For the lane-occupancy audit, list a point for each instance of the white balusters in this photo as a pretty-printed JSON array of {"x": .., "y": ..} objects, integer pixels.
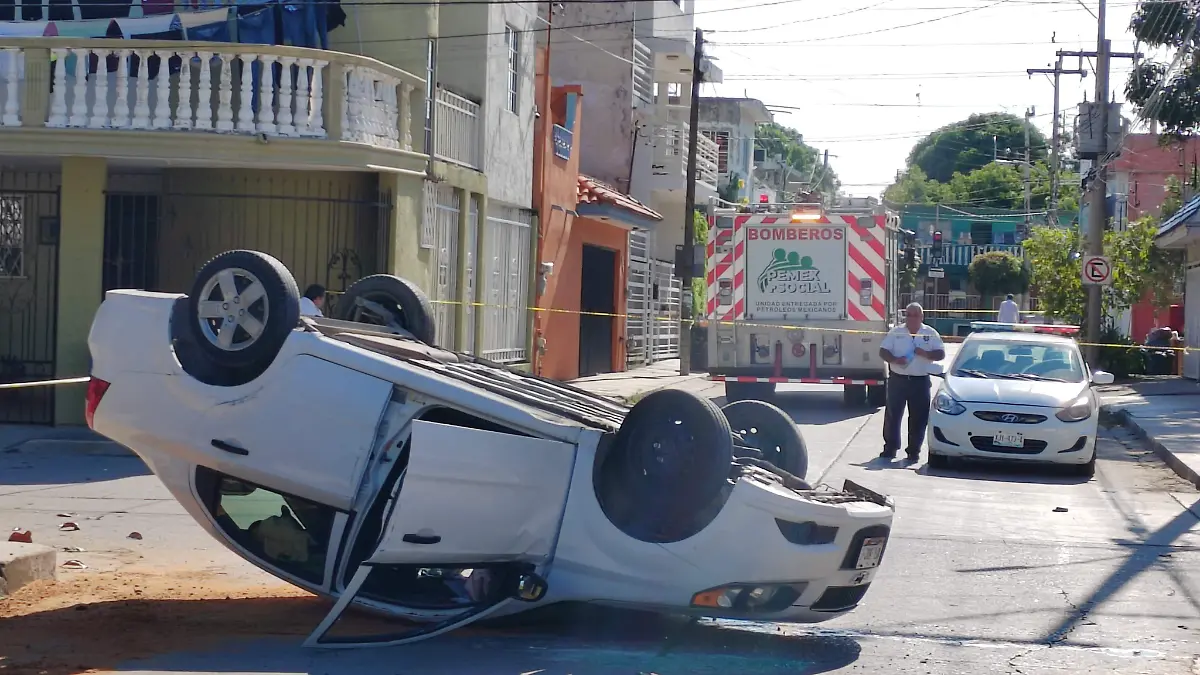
[
  {"x": 183, "y": 91},
  {"x": 348, "y": 106},
  {"x": 317, "y": 116},
  {"x": 120, "y": 119},
  {"x": 224, "y": 94},
  {"x": 245, "y": 117},
  {"x": 303, "y": 118},
  {"x": 58, "y": 100},
  {"x": 391, "y": 114},
  {"x": 162, "y": 93},
  {"x": 79, "y": 98},
  {"x": 265, "y": 119},
  {"x": 13, "y": 59},
  {"x": 99, "y": 115},
  {"x": 287, "y": 124},
  {"x": 141, "y": 91}
]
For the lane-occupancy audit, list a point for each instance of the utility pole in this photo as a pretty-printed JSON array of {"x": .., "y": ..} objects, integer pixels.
[
  {"x": 1026, "y": 168},
  {"x": 689, "y": 211},
  {"x": 1055, "y": 138}
]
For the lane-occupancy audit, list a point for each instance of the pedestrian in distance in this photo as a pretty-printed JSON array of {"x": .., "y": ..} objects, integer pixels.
[
  {"x": 909, "y": 349},
  {"x": 312, "y": 301},
  {"x": 1009, "y": 312}
]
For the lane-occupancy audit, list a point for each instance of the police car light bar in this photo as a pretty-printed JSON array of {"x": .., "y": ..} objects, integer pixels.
[{"x": 1041, "y": 328}]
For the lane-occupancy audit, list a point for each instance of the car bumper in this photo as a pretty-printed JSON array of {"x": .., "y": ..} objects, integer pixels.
[{"x": 1050, "y": 441}]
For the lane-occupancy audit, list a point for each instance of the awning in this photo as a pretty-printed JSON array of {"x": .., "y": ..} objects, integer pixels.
[{"x": 600, "y": 201}]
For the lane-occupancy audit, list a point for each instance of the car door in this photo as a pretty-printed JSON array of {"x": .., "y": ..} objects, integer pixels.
[{"x": 475, "y": 513}]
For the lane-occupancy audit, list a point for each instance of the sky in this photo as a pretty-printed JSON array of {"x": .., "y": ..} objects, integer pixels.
[{"x": 866, "y": 84}]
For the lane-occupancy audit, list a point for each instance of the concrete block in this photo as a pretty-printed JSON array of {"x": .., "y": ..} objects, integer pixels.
[{"x": 22, "y": 564}]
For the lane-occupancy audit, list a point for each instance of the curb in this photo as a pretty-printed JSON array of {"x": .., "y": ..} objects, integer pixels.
[
  {"x": 23, "y": 564},
  {"x": 1130, "y": 422},
  {"x": 644, "y": 393}
]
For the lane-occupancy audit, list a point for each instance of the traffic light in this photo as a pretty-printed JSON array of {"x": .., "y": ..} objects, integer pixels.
[{"x": 937, "y": 242}]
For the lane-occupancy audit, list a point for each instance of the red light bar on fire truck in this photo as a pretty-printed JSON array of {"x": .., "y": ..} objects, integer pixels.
[
  {"x": 806, "y": 213},
  {"x": 1042, "y": 328}
]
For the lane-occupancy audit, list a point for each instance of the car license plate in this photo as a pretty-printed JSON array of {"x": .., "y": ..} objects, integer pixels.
[
  {"x": 871, "y": 553},
  {"x": 1009, "y": 439}
]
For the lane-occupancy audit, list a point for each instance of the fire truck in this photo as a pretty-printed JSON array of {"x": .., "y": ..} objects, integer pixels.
[{"x": 801, "y": 293}]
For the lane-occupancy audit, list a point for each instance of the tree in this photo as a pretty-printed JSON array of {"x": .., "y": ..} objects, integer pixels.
[
  {"x": 1173, "y": 200},
  {"x": 1158, "y": 92},
  {"x": 997, "y": 273},
  {"x": 699, "y": 285},
  {"x": 967, "y": 145},
  {"x": 1139, "y": 268},
  {"x": 776, "y": 139},
  {"x": 997, "y": 186}
]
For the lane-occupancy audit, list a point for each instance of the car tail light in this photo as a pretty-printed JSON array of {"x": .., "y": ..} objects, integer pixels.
[{"x": 95, "y": 391}]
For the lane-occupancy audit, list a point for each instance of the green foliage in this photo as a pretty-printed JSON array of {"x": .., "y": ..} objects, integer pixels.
[
  {"x": 699, "y": 286},
  {"x": 999, "y": 186},
  {"x": 777, "y": 139},
  {"x": 1139, "y": 267},
  {"x": 1173, "y": 201},
  {"x": 967, "y": 145},
  {"x": 998, "y": 273},
  {"x": 1120, "y": 361},
  {"x": 1158, "y": 92}
]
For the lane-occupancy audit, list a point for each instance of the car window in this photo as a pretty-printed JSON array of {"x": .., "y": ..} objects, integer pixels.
[
  {"x": 286, "y": 532},
  {"x": 1008, "y": 359}
]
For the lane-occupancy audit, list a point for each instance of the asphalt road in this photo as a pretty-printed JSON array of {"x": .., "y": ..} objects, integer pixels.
[{"x": 988, "y": 570}]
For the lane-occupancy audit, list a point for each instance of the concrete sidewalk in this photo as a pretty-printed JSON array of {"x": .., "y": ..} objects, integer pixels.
[
  {"x": 638, "y": 382},
  {"x": 1165, "y": 413}
]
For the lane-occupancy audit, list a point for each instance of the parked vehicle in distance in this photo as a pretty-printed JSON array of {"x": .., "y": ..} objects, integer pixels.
[
  {"x": 1017, "y": 392},
  {"x": 354, "y": 458}
]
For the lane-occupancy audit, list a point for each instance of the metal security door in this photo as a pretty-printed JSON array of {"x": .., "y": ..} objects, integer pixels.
[
  {"x": 637, "y": 300},
  {"x": 442, "y": 206}
]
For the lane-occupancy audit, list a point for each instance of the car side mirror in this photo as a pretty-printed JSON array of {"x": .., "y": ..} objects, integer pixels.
[
  {"x": 1101, "y": 377},
  {"x": 937, "y": 369}
]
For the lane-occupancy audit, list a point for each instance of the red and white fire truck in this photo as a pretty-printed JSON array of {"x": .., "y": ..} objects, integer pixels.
[{"x": 801, "y": 293}]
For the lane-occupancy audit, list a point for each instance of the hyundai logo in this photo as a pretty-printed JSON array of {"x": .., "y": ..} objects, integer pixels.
[{"x": 1010, "y": 418}]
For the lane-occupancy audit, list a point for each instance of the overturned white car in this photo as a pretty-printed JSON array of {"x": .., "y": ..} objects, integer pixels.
[{"x": 355, "y": 459}]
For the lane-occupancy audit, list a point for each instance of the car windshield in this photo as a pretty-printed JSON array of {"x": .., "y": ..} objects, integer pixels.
[{"x": 1006, "y": 359}]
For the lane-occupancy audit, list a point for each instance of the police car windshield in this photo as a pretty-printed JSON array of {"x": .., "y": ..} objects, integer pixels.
[{"x": 1012, "y": 360}]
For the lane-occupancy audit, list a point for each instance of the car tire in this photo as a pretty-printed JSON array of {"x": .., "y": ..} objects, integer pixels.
[
  {"x": 854, "y": 395},
  {"x": 228, "y": 342},
  {"x": 938, "y": 461},
  {"x": 877, "y": 395},
  {"x": 749, "y": 391},
  {"x": 669, "y": 461},
  {"x": 1087, "y": 469},
  {"x": 772, "y": 431},
  {"x": 397, "y": 295}
]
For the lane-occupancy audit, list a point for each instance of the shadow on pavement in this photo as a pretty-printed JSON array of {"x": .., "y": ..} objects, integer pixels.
[
  {"x": 814, "y": 407},
  {"x": 1008, "y": 472},
  {"x": 251, "y": 635},
  {"x": 31, "y": 464}
]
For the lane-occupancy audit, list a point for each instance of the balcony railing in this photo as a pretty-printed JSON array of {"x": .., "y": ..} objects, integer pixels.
[
  {"x": 961, "y": 255},
  {"x": 643, "y": 74},
  {"x": 218, "y": 88},
  {"x": 671, "y": 155},
  {"x": 457, "y": 129},
  {"x": 707, "y": 154}
]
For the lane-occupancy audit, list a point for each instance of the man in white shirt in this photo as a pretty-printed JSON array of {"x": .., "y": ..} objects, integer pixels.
[
  {"x": 909, "y": 349},
  {"x": 312, "y": 300},
  {"x": 1010, "y": 312}
]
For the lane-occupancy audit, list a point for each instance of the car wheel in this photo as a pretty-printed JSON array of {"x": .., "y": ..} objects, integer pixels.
[
  {"x": 854, "y": 394},
  {"x": 242, "y": 307},
  {"x": 877, "y": 395},
  {"x": 937, "y": 461},
  {"x": 770, "y": 430},
  {"x": 400, "y": 297},
  {"x": 748, "y": 391},
  {"x": 670, "y": 459},
  {"x": 1088, "y": 469}
]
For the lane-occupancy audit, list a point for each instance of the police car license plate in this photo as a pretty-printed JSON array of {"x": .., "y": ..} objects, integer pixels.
[
  {"x": 1009, "y": 439},
  {"x": 871, "y": 553}
]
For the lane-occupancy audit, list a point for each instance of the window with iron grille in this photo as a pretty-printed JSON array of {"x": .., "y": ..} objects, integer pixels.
[
  {"x": 512, "y": 41},
  {"x": 721, "y": 138},
  {"x": 12, "y": 237}
]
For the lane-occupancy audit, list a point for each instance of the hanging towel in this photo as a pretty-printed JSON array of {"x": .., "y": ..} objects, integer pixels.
[
  {"x": 151, "y": 25},
  {"x": 152, "y": 7},
  {"x": 103, "y": 9},
  {"x": 24, "y": 28},
  {"x": 51, "y": 30},
  {"x": 213, "y": 32},
  {"x": 257, "y": 28},
  {"x": 190, "y": 19},
  {"x": 95, "y": 28}
]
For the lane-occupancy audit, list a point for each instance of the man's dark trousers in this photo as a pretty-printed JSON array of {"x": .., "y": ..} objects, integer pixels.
[{"x": 913, "y": 391}]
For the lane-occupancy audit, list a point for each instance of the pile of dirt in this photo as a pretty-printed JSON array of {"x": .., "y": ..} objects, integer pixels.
[{"x": 94, "y": 621}]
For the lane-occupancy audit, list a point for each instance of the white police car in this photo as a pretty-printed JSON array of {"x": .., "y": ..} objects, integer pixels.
[{"x": 1017, "y": 392}]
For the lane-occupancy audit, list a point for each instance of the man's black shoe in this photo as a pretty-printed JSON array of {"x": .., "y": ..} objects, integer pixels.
[{"x": 913, "y": 457}]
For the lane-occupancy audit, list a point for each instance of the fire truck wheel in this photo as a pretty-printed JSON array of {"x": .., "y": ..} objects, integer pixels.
[
  {"x": 670, "y": 460},
  {"x": 770, "y": 430},
  {"x": 854, "y": 394},
  {"x": 877, "y": 395},
  {"x": 749, "y": 391}
]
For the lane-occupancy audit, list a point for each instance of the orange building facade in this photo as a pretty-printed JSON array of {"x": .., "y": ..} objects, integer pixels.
[{"x": 583, "y": 246}]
